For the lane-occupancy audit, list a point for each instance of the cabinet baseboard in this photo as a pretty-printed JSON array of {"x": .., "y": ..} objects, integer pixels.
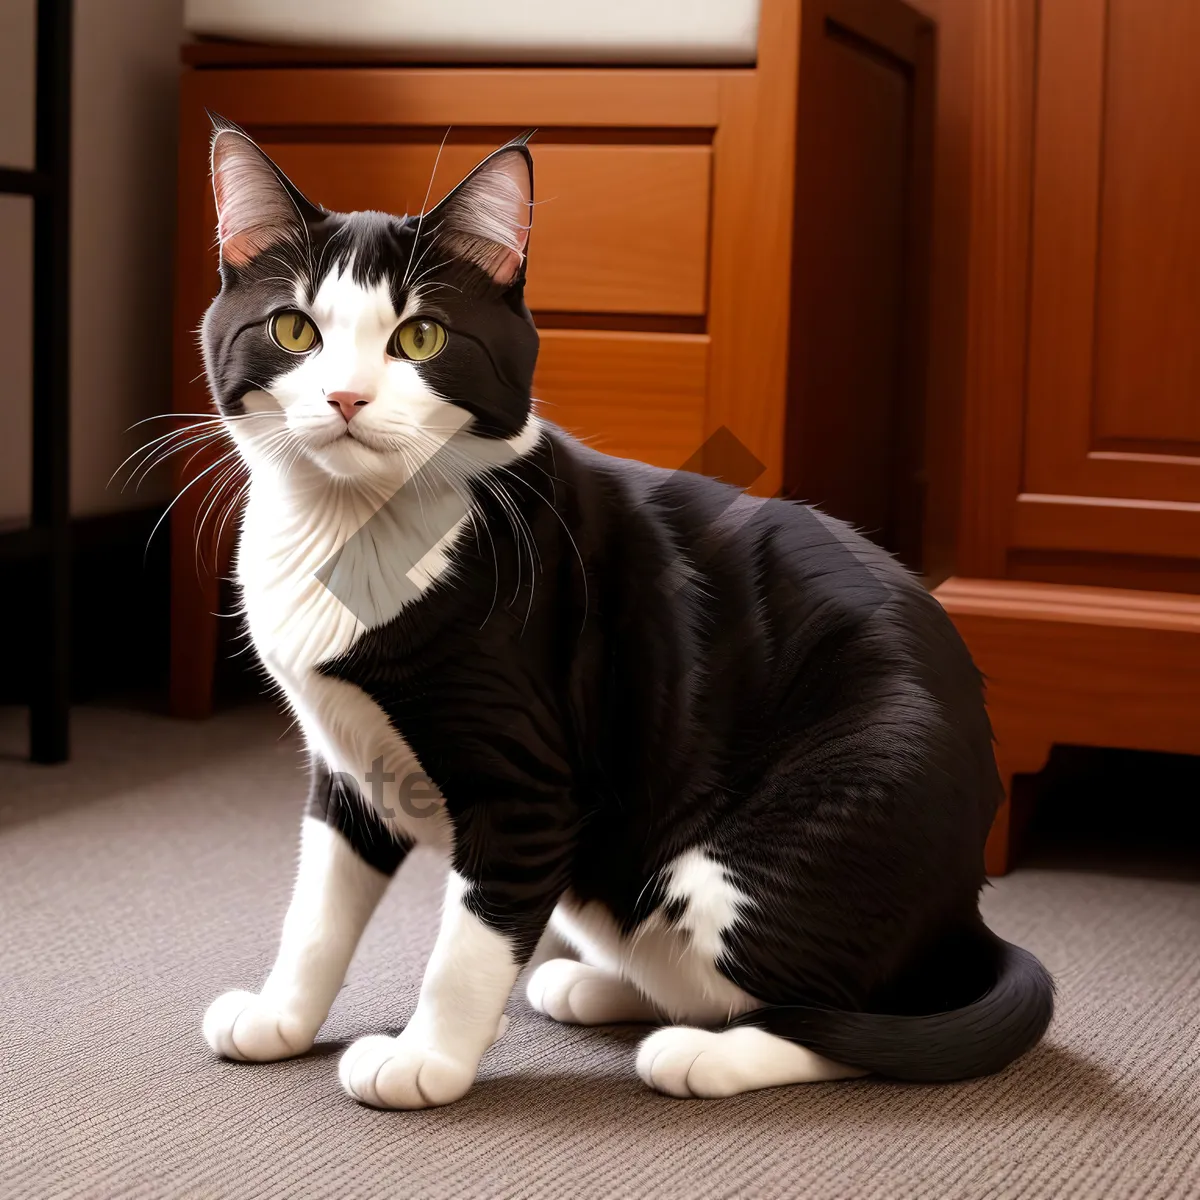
[{"x": 1077, "y": 666}]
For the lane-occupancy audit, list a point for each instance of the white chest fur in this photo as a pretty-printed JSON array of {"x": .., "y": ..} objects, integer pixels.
[{"x": 386, "y": 557}]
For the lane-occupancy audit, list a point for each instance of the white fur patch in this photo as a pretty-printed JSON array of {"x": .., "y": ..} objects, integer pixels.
[
  {"x": 711, "y": 901},
  {"x": 672, "y": 964},
  {"x": 297, "y": 622}
]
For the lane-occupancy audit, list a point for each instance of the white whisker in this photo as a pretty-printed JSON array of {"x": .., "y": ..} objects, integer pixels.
[
  {"x": 187, "y": 487},
  {"x": 424, "y": 205}
]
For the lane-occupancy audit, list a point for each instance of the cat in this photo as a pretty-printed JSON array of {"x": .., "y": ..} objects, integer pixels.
[{"x": 728, "y": 749}]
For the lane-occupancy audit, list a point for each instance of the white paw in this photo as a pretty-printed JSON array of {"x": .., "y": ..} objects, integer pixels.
[
  {"x": 576, "y": 994},
  {"x": 400, "y": 1072},
  {"x": 244, "y": 1026},
  {"x": 687, "y": 1062},
  {"x": 672, "y": 1060}
]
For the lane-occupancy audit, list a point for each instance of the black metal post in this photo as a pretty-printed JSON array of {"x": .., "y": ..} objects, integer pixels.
[{"x": 50, "y": 186}]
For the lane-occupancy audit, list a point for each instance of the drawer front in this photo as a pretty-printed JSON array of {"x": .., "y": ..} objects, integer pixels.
[
  {"x": 616, "y": 229},
  {"x": 637, "y": 395}
]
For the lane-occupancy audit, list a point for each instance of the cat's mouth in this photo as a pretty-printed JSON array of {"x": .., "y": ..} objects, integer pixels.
[
  {"x": 361, "y": 438},
  {"x": 350, "y": 453},
  {"x": 342, "y": 436}
]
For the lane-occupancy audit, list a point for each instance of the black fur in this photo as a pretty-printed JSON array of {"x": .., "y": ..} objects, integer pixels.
[
  {"x": 339, "y": 802},
  {"x": 799, "y": 705},
  {"x": 1009, "y": 1014},
  {"x": 678, "y": 666}
]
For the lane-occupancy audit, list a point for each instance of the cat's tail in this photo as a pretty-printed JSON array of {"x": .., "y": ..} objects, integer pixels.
[{"x": 978, "y": 1039}]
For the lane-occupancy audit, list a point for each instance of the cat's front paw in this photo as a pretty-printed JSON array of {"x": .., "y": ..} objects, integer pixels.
[
  {"x": 245, "y": 1026},
  {"x": 403, "y": 1072}
]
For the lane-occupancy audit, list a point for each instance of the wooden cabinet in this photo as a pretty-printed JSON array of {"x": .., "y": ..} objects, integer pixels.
[{"x": 1081, "y": 425}]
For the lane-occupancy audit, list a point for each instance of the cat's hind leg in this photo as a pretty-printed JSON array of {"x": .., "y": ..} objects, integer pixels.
[
  {"x": 576, "y": 993},
  {"x": 687, "y": 1062},
  {"x": 673, "y": 957}
]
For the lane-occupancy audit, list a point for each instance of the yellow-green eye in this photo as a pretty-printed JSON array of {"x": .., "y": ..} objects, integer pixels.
[
  {"x": 293, "y": 332},
  {"x": 418, "y": 340}
]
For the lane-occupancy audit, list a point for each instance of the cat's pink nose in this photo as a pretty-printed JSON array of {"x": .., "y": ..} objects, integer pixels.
[{"x": 348, "y": 403}]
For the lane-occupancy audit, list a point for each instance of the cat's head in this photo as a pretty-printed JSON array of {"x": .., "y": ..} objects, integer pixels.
[{"x": 358, "y": 343}]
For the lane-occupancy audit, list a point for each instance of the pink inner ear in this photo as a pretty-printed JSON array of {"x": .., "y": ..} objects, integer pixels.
[
  {"x": 513, "y": 166},
  {"x": 506, "y": 265},
  {"x": 253, "y": 209},
  {"x": 488, "y": 216}
]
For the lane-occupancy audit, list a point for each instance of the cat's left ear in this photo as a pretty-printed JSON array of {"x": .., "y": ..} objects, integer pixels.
[
  {"x": 257, "y": 205},
  {"x": 486, "y": 218}
]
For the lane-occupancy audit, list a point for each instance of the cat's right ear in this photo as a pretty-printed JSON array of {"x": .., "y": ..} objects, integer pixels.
[
  {"x": 486, "y": 218},
  {"x": 257, "y": 206}
]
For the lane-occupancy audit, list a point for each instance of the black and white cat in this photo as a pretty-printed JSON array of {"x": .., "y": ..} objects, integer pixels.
[{"x": 732, "y": 752}]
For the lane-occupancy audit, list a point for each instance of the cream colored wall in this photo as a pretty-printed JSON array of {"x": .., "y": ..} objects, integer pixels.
[
  {"x": 123, "y": 211},
  {"x": 123, "y": 223}
]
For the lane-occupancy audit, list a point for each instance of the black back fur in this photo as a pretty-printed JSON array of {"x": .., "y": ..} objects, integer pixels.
[{"x": 693, "y": 667}]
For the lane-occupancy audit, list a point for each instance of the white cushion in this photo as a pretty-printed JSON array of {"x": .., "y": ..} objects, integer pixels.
[{"x": 567, "y": 31}]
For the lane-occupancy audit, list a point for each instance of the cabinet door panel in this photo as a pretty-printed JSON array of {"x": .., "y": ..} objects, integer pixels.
[
  {"x": 1113, "y": 407},
  {"x": 1148, "y": 299}
]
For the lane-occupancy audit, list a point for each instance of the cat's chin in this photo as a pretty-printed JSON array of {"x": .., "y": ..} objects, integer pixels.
[{"x": 350, "y": 458}]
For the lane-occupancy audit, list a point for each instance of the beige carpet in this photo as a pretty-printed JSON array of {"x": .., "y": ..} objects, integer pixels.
[{"x": 152, "y": 873}]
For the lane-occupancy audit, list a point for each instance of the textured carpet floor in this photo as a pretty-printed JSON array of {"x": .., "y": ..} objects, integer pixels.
[{"x": 152, "y": 873}]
